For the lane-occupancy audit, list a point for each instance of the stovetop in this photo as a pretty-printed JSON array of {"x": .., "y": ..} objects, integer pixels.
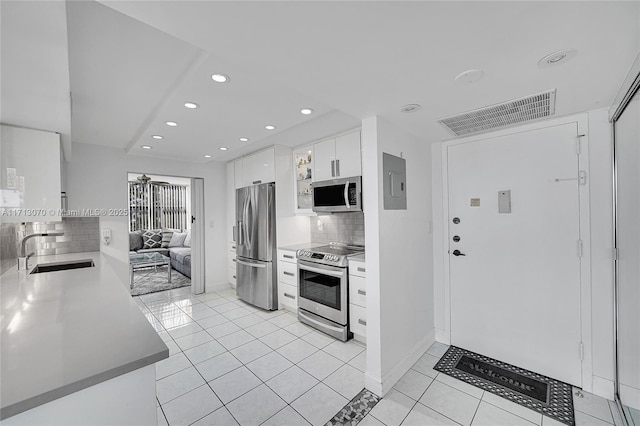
[{"x": 333, "y": 254}]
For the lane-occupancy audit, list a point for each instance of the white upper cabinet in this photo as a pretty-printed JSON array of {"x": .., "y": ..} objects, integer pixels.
[
  {"x": 337, "y": 158},
  {"x": 348, "y": 155},
  {"x": 324, "y": 156},
  {"x": 259, "y": 167},
  {"x": 30, "y": 175},
  {"x": 238, "y": 178}
]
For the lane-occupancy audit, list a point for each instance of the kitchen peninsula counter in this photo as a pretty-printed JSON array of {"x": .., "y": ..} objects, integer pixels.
[{"x": 65, "y": 331}]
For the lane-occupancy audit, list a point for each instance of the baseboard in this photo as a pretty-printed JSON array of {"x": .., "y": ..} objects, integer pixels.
[
  {"x": 603, "y": 387},
  {"x": 630, "y": 396},
  {"x": 442, "y": 336},
  {"x": 381, "y": 386}
]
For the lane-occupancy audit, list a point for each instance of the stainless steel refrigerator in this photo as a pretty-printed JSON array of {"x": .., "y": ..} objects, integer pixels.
[{"x": 256, "y": 273}]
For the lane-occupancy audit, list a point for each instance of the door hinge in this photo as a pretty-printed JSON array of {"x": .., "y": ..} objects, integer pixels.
[
  {"x": 581, "y": 350},
  {"x": 578, "y": 147},
  {"x": 579, "y": 248}
]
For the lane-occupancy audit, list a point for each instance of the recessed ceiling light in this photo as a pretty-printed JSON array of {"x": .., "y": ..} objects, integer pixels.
[
  {"x": 410, "y": 108},
  {"x": 468, "y": 77},
  {"x": 244, "y": 139},
  {"x": 557, "y": 57},
  {"x": 157, "y": 137},
  {"x": 269, "y": 127},
  {"x": 171, "y": 123},
  {"x": 145, "y": 147},
  {"x": 207, "y": 156},
  {"x": 191, "y": 105},
  {"x": 306, "y": 111},
  {"x": 223, "y": 148},
  {"x": 220, "y": 78}
]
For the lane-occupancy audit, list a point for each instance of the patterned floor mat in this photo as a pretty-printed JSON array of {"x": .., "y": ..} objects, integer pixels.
[
  {"x": 545, "y": 395},
  {"x": 355, "y": 410}
]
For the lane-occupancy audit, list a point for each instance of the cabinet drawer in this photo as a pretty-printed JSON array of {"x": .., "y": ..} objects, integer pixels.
[
  {"x": 358, "y": 320},
  {"x": 288, "y": 295},
  {"x": 231, "y": 246},
  {"x": 287, "y": 256},
  {"x": 357, "y": 267},
  {"x": 231, "y": 262},
  {"x": 358, "y": 291},
  {"x": 288, "y": 273}
]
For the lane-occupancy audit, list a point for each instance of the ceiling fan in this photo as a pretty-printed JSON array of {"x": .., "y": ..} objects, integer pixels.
[{"x": 144, "y": 179}]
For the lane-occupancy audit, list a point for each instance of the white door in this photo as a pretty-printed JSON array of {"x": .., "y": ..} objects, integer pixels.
[
  {"x": 197, "y": 236},
  {"x": 515, "y": 294}
]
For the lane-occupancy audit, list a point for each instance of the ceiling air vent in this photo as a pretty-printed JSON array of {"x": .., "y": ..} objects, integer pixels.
[{"x": 509, "y": 113}]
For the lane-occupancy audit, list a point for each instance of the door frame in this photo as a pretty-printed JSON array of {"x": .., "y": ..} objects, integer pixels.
[{"x": 585, "y": 230}]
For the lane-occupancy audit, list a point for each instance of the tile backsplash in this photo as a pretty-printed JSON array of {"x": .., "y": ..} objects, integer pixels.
[
  {"x": 338, "y": 227},
  {"x": 80, "y": 234},
  {"x": 8, "y": 247}
]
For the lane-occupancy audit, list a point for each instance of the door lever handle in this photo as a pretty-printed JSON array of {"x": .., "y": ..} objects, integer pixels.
[{"x": 458, "y": 253}]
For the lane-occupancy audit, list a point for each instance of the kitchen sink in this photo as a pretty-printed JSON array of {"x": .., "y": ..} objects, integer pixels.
[{"x": 62, "y": 266}]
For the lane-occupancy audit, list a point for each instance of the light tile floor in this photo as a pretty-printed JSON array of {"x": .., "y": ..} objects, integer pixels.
[{"x": 231, "y": 363}]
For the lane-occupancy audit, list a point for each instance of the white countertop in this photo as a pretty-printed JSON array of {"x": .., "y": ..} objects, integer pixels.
[
  {"x": 358, "y": 257},
  {"x": 67, "y": 330},
  {"x": 301, "y": 246}
]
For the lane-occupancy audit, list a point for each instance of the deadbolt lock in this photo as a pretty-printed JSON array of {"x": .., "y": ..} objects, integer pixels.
[
  {"x": 456, "y": 220},
  {"x": 456, "y": 238}
]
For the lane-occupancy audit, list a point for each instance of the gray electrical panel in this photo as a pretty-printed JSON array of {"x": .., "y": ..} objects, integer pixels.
[
  {"x": 394, "y": 171},
  {"x": 504, "y": 201}
]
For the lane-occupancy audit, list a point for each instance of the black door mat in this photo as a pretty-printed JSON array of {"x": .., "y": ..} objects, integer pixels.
[
  {"x": 355, "y": 410},
  {"x": 539, "y": 393}
]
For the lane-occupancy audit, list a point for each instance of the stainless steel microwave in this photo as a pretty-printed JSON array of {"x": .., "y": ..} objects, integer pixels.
[{"x": 338, "y": 195}]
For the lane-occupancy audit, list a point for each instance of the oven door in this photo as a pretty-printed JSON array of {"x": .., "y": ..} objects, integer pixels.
[{"x": 322, "y": 290}]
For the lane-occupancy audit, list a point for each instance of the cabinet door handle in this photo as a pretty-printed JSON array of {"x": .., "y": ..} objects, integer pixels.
[
  {"x": 233, "y": 247},
  {"x": 255, "y": 182},
  {"x": 233, "y": 260},
  {"x": 362, "y": 292},
  {"x": 361, "y": 269},
  {"x": 234, "y": 277},
  {"x": 290, "y": 296},
  {"x": 291, "y": 274},
  {"x": 337, "y": 168},
  {"x": 287, "y": 256},
  {"x": 333, "y": 168},
  {"x": 361, "y": 321}
]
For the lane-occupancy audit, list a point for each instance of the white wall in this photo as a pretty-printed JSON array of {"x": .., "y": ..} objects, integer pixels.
[
  {"x": 97, "y": 179},
  {"x": 398, "y": 245},
  {"x": 600, "y": 196}
]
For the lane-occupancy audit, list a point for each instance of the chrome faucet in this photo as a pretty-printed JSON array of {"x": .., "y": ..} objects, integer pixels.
[{"x": 23, "y": 259}]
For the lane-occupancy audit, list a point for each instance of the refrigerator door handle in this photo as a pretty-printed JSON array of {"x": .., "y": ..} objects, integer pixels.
[
  {"x": 253, "y": 265},
  {"x": 240, "y": 234}
]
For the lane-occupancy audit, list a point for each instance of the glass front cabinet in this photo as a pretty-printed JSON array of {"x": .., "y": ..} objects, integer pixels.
[{"x": 303, "y": 168}]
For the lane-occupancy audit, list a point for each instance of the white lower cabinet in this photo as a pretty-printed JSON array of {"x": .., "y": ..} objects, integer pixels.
[
  {"x": 358, "y": 300},
  {"x": 287, "y": 280}
]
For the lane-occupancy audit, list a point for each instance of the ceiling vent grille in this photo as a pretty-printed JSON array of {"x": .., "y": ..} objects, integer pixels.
[{"x": 509, "y": 113}]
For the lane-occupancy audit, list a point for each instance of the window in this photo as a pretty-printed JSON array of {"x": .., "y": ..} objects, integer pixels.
[{"x": 157, "y": 206}]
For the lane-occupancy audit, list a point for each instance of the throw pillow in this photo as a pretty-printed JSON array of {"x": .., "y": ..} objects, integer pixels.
[
  {"x": 187, "y": 240},
  {"x": 166, "y": 238},
  {"x": 152, "y": 238},
  {"x": 177, "y": 239},
  {"x": 135, "y": 241}
]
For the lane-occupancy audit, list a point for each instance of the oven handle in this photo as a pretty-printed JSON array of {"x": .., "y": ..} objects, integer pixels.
[
  {"x": 253, "y": 265},
  {"x": 321, "y": 324},
  {"x": 307, "y": 267}
]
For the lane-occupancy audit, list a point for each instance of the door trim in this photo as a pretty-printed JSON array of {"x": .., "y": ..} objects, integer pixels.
[{"x": 581, "y": 121}]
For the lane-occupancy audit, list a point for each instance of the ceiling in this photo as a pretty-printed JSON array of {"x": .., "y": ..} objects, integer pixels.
[{"x": 133, "y": 65}]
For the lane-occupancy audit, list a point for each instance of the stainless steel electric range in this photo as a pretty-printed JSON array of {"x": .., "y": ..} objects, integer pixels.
[{"x": 323, "y": 288}]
